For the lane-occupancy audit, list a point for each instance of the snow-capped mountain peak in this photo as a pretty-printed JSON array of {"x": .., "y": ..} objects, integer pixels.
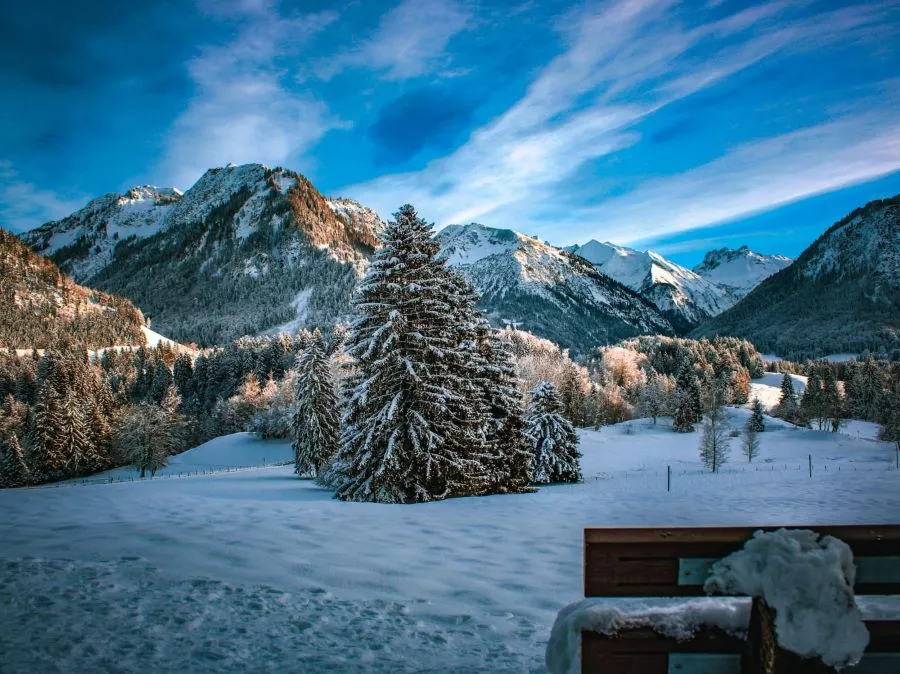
[
  {"x": 254, "y": 235},
  {"x": 740, "y": 270},
  {"x": 546, "y": 290},
  {"x": 684, "y": 296}
]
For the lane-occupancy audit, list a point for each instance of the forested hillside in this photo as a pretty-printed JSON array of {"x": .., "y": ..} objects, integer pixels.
[
  {"x": 40, "y": 306},
  {"x": 842, "y": 295}
]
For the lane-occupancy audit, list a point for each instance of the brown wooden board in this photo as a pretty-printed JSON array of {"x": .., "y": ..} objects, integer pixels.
[
  {"x": 644, "y": 562},
  {"x": 643, "y": 651}
]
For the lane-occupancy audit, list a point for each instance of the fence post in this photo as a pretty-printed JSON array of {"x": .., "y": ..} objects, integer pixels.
[
  {"x": 810, "y": 465},
  {"x": 668, "y": 478}
]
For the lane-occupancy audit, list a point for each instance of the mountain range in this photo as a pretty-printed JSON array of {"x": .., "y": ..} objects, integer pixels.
[
  {"x": 246, "y": 249},
  {"x": 686, "y": 297},
  {"x": 249, "y": 250},
  {"x": 545, "y": 290}
]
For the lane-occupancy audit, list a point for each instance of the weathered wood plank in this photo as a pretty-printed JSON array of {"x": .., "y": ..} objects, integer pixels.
[{"x": 656, "y": 562}]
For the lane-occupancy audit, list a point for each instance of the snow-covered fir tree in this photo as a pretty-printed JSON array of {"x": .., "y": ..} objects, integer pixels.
[
  {"x": 13, "y": 469},
  {"x": 757, "y": 421},
  {"x": 554, "y": 443},
  {"x": 714, "y": 438},
  {"x": 403, "y": 439},
  {"x": 315, "y": 427},
  {"x": 508, "y": 453},
  {"x": 788, "y": 406},
  {"x": 653, "y": 401}
]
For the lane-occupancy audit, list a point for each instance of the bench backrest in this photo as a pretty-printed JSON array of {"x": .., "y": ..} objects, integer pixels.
[{"x": 674, "y": 562}]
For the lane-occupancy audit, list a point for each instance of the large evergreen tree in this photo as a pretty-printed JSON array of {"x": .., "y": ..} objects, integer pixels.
[
  {"x": 402, "y": 434},
  {"x": 315, "y": 427},
  {"x": 554, "y": 443}
]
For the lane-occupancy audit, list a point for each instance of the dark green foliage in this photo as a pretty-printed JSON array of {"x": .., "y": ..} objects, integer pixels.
[
  {"x": 756, "y": 421},
  {"x": 403, "y": 424}
]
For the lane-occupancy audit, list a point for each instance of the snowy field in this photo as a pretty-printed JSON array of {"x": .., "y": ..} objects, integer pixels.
[{"x": 255, "y": 570}]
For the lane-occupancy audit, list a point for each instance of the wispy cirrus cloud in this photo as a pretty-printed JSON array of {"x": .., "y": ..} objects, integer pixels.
[
  {"x": 622, "y": 64},
  {"x": 243, "y": 109},
  {"x": 24, "y": 205},
  {"x": 755, "y": 177},
  {"x": 411, "y": 40}
]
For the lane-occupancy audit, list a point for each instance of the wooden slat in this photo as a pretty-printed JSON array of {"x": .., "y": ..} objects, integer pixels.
[
  {"x": 643, "y": 562},
  {"x": 643, "y": 651}
]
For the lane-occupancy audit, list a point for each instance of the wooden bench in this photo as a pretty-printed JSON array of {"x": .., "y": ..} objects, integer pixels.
[{"x": 674, "y": 562}]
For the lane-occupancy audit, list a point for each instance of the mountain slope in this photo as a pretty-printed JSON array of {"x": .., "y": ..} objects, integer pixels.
[
  {"x": 685, "y": 297},
  {"x": 245, "y": 250},
  {"x": 40, "y": 306},
  {"x": 545, "y": 290},
  {"x": 739, "y": 270},
  {"x": 842, "y": 295}
]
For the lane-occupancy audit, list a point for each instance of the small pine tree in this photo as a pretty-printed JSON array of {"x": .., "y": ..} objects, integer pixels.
[
  {"x": 316, "y": 422},
  {"x": 787, "y": 407},
  {"x": 554, "y": 443},
  {"x": 683, "y": 413},
  {"x": 832, "y": 402},
  {"x": 757, "y": 421}
]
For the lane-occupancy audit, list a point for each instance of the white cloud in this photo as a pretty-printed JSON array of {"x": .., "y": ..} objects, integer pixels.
[
  {"x": 241, "y": 111},
  {"x": 24, "y": 205},
  {"x": 753, "y": 178},
  {"x": 411, "y": 40},
  {"x": 620, "y": 64}
]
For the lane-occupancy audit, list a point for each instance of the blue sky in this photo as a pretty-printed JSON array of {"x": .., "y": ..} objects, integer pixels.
[{"x": 678, "y": 126}]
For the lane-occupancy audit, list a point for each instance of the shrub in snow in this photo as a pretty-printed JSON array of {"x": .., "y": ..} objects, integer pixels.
[
  {"x": 554, "y": 444},
  {"x": 808, "y": 580},
  {"x": 677, "y": 618}
]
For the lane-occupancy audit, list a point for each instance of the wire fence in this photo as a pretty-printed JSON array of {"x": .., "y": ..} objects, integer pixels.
[
  {"x": 169, "y": 474},
  {"x": 667, "y": 477}
]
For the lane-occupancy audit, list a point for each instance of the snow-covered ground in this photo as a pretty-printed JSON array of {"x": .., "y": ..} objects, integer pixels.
[
  {"x": 768, "y": 388},
  {"x": 258, "y": 571}
]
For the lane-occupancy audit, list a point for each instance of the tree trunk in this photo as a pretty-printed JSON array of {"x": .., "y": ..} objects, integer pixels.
[{"x": 763, "y": 655}]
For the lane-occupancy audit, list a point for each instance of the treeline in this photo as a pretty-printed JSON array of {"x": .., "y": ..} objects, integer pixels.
[
  {"x": 66, "y": 415},
  {"x": 867, "y": 390},
  {"x": 40, "y": 306}
]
